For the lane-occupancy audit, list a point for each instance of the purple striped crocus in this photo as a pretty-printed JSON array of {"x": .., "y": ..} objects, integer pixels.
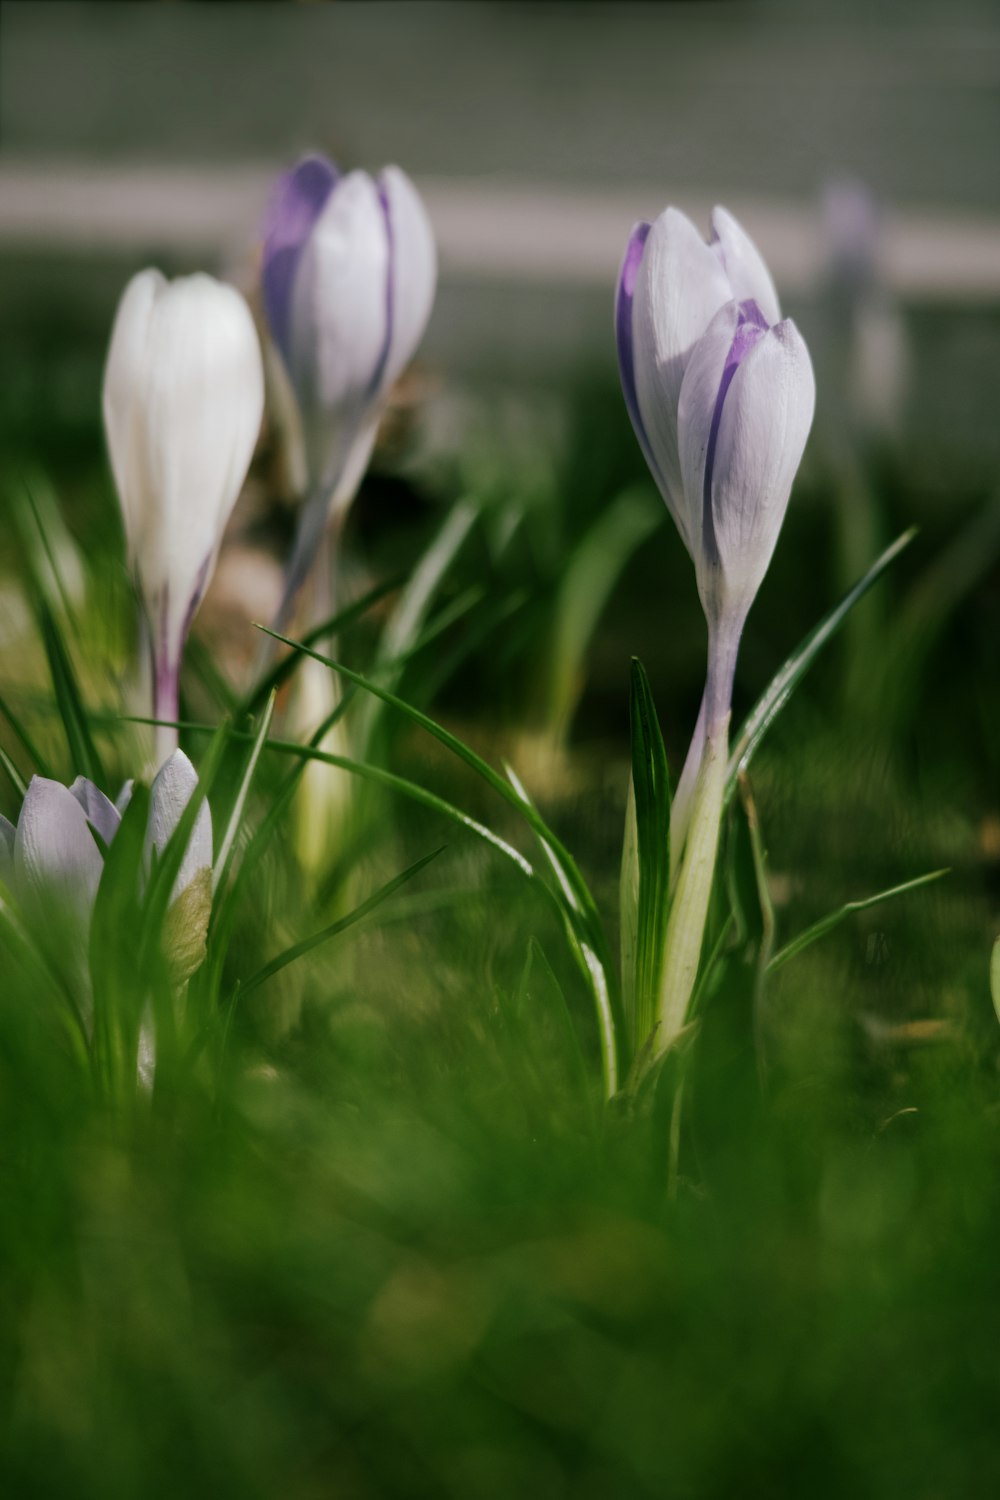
[
  {"x": 183, "y": 400},
  {"x": 720, "y": 392},
  {"x": 349, "y": 273}
]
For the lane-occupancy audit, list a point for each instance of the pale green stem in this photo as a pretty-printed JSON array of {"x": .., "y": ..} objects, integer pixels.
[{"x": 689, "y": 906}]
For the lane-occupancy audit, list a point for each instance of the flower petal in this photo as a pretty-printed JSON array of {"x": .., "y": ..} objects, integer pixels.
[
  {"x": 197, "y": 403},
  {"x": 412, "y": 278},
  {"x": 102, "y": 814},
  {"x": 124, "y": 379},
  {"x": 338, "y": 331},
  {"x": 696, "y": 409},
  {"x": 296, "y": 202},
  {"x": 744, "y": 264},
  {"x": 680, "y": 287},
  {"x": 54, "y": 849},
  {"x": 762, "y": 433},
  {"x": 173, "y": 787}
]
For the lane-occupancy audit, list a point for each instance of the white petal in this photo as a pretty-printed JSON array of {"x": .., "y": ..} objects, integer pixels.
[
  {"x": 173, "y": 786},
  {"x": 680, "y": 287},
  {"x": 765, "y": 422},
  {"x": 696, "y": 408},
  {"x": 125, "y": 374},
  {"x": 744, "y": 265},
  {"x": 102, "y": 814},
  {"x": 339, "y": 330},
  {"x": 54, "y": 849},
  {"x": 413, "y": 270},
  {"x": 184, "y": 396}
]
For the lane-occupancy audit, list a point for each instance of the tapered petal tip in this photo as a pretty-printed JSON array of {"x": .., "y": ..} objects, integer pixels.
[
  {"x": 743, "y": 264},
  {"x": 173, "y": 787},
  {"x": 297, "y": 200},
  {"x": 54, "y": 849}
]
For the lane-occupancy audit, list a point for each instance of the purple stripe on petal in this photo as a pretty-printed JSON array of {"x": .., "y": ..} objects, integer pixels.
[
  {"x": 751, "y": 326},
  {"x": 296, "y": 202},
  {"x": 390, "y": 294},
  {"x": 624, "y": 297}
]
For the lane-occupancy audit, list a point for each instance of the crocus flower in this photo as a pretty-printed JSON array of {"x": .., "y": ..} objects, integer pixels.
[
  {"x": 183, "y": 400},
  {"x": 349, "y": 272},
  {"x": 720, "y": 392},
  {"x": 52, "y": 854}
]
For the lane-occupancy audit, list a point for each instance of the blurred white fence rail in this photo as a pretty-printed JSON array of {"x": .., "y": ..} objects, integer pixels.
[{"x": 487, "y": 229}]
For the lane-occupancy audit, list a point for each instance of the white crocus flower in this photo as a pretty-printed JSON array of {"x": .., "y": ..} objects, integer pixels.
[
  {"x": 721, "y": 393},
  {"x": 183, "y": 400}
]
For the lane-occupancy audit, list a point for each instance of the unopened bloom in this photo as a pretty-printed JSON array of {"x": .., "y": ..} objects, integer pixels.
[
  {"x": 349, "y": 273},
  {"x": 183, "y": 400},
  {"x": 720, "y": 391},
  {"x": 52, "y": 855}
]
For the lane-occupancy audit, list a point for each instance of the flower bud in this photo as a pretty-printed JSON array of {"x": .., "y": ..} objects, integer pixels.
[
  {"x": 349, "y": 273},
  {"x": 720, "y": 392},
  {"x": 183, "y": 400}
]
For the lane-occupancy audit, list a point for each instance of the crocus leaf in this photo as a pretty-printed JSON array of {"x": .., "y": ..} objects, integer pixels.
[
  {"x": 232, "y": 827},
  {"x": 83, "y": 751},
  {"x": 335, "y": 928},
  {"x": 588, "y": 945},
  {"x": 14, "y": 776},
  {"x": 464, "y": 753},
  {"x": 37, "y": 759},
  {"x": 828, "y": 923},
  {"x": 651, "y": 800},
  {"x": 787, "y": 679},
  {"x": 278, "y": 674}
]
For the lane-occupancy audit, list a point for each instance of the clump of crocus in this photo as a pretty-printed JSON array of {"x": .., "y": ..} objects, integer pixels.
[
  {"x": 349, "y": 273},
  {"x": 720, "y": 391},
  {"x": 183, "y": 401}
]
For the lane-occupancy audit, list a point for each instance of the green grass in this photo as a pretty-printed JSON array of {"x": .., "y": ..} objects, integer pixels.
[{"x": 374, "y": 1231}]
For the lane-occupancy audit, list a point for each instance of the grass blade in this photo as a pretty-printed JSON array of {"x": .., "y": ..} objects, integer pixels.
[
  {"x": 308, "y": 944},
  {"x": 651, "y": 794},
  {"x": 232, "y": 827},
  {"x": 278, "y": 675},
  {"x": 83, "y": 752},
  {"x": 475, "y": 762},
  {"x": 785, "y": 681},
  {"x": 828, "y": 923}
]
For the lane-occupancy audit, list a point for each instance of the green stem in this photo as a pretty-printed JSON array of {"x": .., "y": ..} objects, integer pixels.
[{"x": 689, "y": 908}]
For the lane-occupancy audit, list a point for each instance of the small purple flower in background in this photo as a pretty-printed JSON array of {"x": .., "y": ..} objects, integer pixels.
[
  {"x": 183, "y": 401},
  {"x": 349, "y": 274},
  {"x": 720, "y": 392}
]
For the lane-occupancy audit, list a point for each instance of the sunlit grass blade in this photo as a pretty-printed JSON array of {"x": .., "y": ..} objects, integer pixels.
[
  {"x": 278, "y": 674},
  {"x": 586, "y": 585},
  {"x": 651, "y": 800},
  {"x": 475, "y": 762},
  {"x": 785, "y": 681},
  {"x": 827, "y": 924},
  {"x": 404, "y": 626},
  {"x": 13, "y": 775},
  {"x": 76, "y": 725},
  {"x": 410, "y": 789},
  {"x": 308, "y": 944},
  {"x": 38, "y": 761},
  {"x": 232, "y": 827},
  {"x": 115, "y": 936},
  {"x": 587, "y": 940}
]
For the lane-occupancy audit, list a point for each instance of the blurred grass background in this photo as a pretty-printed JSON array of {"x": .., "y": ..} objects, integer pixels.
[{"x": 389, "y": 1252}]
